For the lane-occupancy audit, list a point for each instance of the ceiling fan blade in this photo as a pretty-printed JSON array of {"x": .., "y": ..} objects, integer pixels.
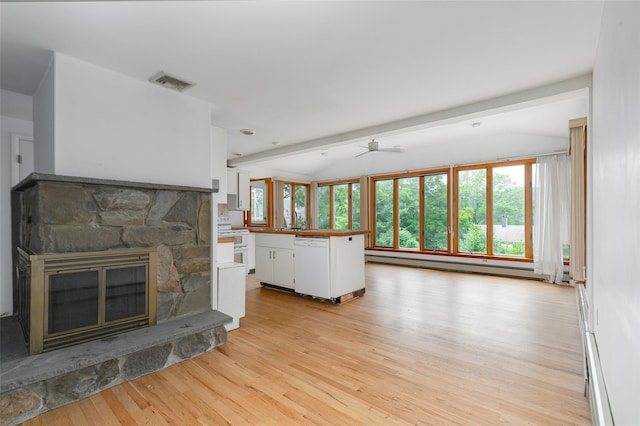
[
  {"x": 362, "y": 153},
  {"x": 391, "y": 149}
]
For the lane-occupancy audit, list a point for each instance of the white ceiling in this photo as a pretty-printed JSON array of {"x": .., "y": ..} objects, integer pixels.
[{"x": 329, "y": 76}]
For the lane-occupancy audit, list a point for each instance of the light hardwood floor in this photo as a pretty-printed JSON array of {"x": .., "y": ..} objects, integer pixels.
[{"x": 421, "y": 347}]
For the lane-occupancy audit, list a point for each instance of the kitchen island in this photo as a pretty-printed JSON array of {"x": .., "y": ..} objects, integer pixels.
[{"x": 321, "y": 263}]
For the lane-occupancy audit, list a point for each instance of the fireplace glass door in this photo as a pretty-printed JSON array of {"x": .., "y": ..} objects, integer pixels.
[
  {"x": 100, "y": 297},
  {"x": 70, "y": 298},
  {"x": 73, "y": 301},
  {"x": 126, "y": 293}
]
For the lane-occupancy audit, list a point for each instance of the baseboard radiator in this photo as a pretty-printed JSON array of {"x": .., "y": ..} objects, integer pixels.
[
  {"x": 471, "y": 268},
  {"x": 594, "y": 380}
]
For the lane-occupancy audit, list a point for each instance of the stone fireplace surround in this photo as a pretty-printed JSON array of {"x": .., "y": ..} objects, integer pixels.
[{"x": 60, "y": 214}]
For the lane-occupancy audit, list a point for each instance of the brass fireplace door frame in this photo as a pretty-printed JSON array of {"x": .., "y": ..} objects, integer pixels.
[{"x": 44, "y": 266}]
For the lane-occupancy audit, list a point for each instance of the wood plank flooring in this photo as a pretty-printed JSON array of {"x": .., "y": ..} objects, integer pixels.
[{"x": 421, "y": 347}]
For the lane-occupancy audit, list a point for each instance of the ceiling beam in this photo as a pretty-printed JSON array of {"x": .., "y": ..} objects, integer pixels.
[{"x": 565, "y": 89}]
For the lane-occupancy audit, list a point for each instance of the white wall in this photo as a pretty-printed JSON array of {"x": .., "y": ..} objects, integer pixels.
[
  {"x": 44, "y": 122},
  {"x": 16, "y": 105},
  {"x": 111, "y": 126},
  {"x": 8, "y": 125},
  {"x": 614, "y": 279},
  {"x": 92, "y": 122},
  {"x": 219, "y": 138}
]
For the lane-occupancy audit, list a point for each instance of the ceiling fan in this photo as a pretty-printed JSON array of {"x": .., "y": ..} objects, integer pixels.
[{"x": 374, "y": 147}]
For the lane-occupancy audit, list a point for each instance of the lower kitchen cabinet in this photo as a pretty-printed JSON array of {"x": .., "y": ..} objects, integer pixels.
[
  {"x": 274, "y": 259},
  {"x": 231, "y": 292}
]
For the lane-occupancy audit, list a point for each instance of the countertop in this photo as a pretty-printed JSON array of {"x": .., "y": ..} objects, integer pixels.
[{"x": 309, "y": 232}]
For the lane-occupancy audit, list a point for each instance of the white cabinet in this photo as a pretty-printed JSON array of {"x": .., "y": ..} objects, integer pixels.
[
  {"x": 225, "y": 252},
  {"x": 274, "y": 259},
  {"x": 231, "y": 292},
  {"x": 252, "y": 252},
  {"x": 329, "y": 267},
  {"x": 237, "y": 189},
  {"x": 347, "y": 265}
]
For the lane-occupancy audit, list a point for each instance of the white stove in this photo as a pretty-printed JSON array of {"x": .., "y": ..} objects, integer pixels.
[{"x": 240, "y": 240}]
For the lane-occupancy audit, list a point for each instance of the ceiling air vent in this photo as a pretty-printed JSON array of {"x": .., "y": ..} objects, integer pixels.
[{"x": 170, "y": 82}]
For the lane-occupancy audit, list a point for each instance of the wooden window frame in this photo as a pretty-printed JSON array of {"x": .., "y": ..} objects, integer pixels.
[
  {"x": 331, "y": 184},
  {"x": 307, "y": 187},
  {"x": 270, "y": 205},
  {"x": 452, "y": 206}
]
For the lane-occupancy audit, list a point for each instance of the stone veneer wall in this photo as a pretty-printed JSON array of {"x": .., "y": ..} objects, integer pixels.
[{"x": 64, "y": 215}]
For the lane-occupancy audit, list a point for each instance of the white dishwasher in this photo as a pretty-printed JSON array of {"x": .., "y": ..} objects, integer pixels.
[{"x": 312, "y": 268}]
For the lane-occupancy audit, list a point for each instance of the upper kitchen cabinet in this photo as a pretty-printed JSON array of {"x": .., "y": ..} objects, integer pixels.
[{"x": 237, "y": 189}]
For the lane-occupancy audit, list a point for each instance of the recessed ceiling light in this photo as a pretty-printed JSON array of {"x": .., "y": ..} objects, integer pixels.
[
  {"x": 275, "y": 143},
  {"x": 476, "y": 124},
  {"x": 247, "y": 132},
  {"x": 237, "y": 154},
  {"x": 324, "y": 153}
]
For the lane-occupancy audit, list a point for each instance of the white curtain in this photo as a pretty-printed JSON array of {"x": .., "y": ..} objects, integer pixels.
[
  {"x": 551, "y": 215},
  {"x": 577, "y": 141}
]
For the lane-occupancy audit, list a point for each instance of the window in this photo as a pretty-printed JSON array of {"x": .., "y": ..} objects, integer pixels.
[
  {"x": 436, "y": 212},
  {"x": 338, "y": 205},
  {"x": 384, "y": 213},
  {"x": 412, "y": 211},
  {"x": 489, "y": 212},
  {"x": 260, "y": 213},
  {"x": 494, "y": 209},
  {"x": 324, "y": 207},
  {"x": 258, "y": 204},
  {"x": 341, "y": 206},
  {"x": 472, "y": 211},
  {"x": 355, "y": 205},
  {"x": 295, "y": 205},
  {"x": 409, "y": 213},
  {"x": 508, "y": 210}
]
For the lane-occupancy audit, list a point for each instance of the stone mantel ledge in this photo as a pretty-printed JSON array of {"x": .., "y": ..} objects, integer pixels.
[{"x": 34, "y": 178}]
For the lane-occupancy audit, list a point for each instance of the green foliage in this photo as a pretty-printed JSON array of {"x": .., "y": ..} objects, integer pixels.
[
  {"x": 300, "y": 203},
  {"x": 509, "y": 248},
  {"x": 508, "y": 200},
  {"x": 341, "y": 206},
  {"x": 384, "y": 213},
  {"x": 409, "y": 212},
  {"x": 474, "y": 240},
  {"x": 323, "y": 207},
  {"x": 355, "y": 206},
  {"x": 408, "y": 239},
  {"x": 435, "y": 212}
]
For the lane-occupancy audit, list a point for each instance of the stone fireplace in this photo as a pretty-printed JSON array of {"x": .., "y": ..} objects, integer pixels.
[{"x": 70, "y": 222}]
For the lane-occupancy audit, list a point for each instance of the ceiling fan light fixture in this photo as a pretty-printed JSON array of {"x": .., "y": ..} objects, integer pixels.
[{"x": 373, "y": 147}]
